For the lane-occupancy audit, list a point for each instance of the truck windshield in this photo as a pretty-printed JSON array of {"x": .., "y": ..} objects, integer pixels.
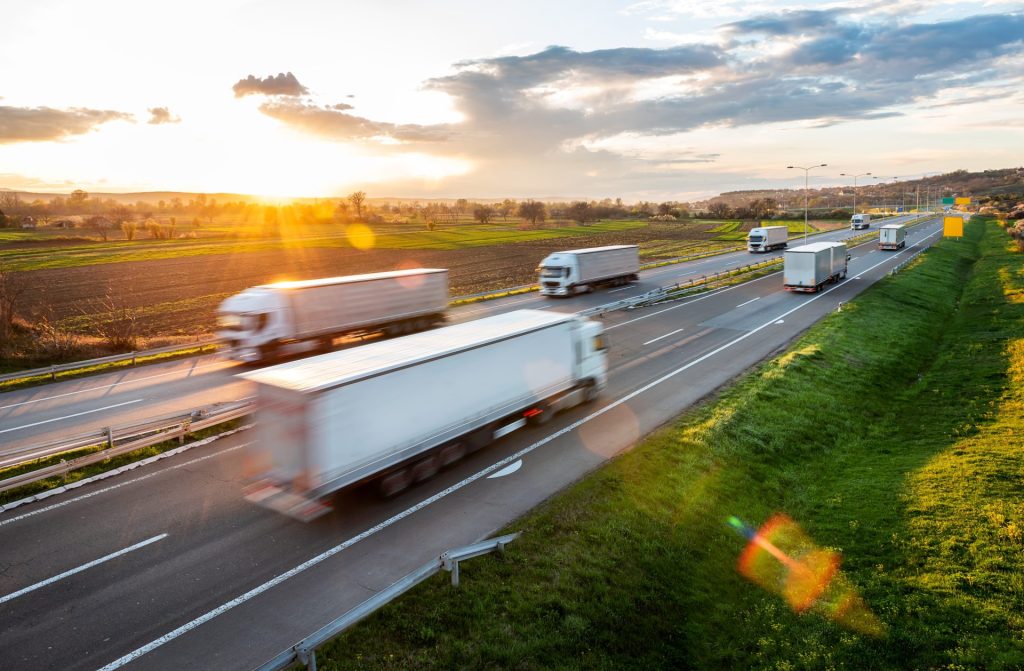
[
  {"x": 552, "y": 271},
  {"x": 755, "y": 238},
  {"x": 229, "y": 321}
]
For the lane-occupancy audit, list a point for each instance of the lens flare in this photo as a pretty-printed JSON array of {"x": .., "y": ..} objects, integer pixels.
[
  {"x": 784, "y": 560},
  {"x": 360, "y": 236}
]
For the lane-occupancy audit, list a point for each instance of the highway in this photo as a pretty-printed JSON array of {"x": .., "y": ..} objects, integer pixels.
[
  {"x": 168, "y": 567},
  {"x": 57, "y": 411}
]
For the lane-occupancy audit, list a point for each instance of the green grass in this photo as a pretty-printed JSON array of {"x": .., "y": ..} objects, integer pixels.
[
  {"x": 727, "y": 227},
  {"x": 890, "y": 431},
  {"x": 149, "y": 250}
]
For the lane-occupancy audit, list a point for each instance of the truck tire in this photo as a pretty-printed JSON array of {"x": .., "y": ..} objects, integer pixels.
[
  {"x": 480, "y": 438},
  {"x": 451, "y": 453},
  {"x": 590, "y": 393},
  {"x": 268, "y": 352},
  {"x": 395, "y": 482},
  {"x": 424, "y": 469}
]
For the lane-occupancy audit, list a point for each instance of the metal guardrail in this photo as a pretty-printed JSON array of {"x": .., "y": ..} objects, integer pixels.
[
  {"x": 119, "y": 440},
  {"x": 907, "y": 261},
  {"x": 304, "y": 652},
  {"x": 88, "y": 363}
]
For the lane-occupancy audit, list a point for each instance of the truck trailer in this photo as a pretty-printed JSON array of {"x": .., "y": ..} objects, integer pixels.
[
  {"x": 859, "y": 221},
  {"x": 581, "y": 270},
  {"x": 395, "y": 411},
  {"x": 809, "y": 267},
  {"x": 264, "y": 323},
  {"x": 767, "y": 238},
  {"x": 892, "y": 236}
]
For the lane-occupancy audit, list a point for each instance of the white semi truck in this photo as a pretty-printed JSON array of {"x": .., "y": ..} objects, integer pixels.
[
  {"x": 581, "y": 270},
  {"x": 892, "y": 236},
  {"x": 265, "y": 322},
  {"x": 809, "y": 267},
  {"x": 859, "y": 221},
  {"x": 767, "y": 238},
  {"x": 395, "y": 411}
]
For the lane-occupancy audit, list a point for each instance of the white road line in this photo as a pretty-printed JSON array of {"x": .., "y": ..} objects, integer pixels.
[
  {"x": 77, "y": 414},
  {"x": 748, "y": 302},
  {"x": 108, "y": 386},
  {"x": 309, "y": 563},
  {"x": 674, "y": 307},
  {"x": 94, "y": 562},
  {"x": 122, "y": 484},
  {"x": 612, "y": 291},
  {"x": 664, "y": 336}
]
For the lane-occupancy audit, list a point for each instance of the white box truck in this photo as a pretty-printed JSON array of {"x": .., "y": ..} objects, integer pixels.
[
  {"x": 892, "y": 236},
  {"x": 581, "y": 270},
  {"x": 808, "y": 267},
  {"x": 859, "y": 221},
  {"x": 767, "y": 238},
  {"x": 395, "y": 411},
  {"x": 265, "y": 322}
]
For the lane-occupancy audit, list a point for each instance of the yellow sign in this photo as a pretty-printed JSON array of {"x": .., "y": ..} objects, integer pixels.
[
  {"x": 953, "y": 227},
  {"x": 963, "y": 201}
]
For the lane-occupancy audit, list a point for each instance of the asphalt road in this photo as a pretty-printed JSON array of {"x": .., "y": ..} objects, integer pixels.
[{"x": 168, "y": 567}]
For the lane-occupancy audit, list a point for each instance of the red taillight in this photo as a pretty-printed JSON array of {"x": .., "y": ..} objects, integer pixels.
[{"x": 532, "y": 412}]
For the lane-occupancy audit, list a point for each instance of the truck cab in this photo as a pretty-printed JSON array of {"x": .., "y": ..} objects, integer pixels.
[
  {"x": 592, "y": 362},
  {"x": 859, "y": 221},
  {"x": 251, "y": 324},
  {"x": 559, "y": 274}
]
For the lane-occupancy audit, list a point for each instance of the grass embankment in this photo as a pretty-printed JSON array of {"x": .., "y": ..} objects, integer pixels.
[{"x": 889, "y": 431}]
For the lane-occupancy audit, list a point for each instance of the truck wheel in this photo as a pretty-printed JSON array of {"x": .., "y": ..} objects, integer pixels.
[
  {"x": 268, "y": 351},
  {"x": 590, "y": 393},
  {"x": 451, "y": 453},
  {"x": 425, "y": 468},
  {"x": 395, "y": 483}
]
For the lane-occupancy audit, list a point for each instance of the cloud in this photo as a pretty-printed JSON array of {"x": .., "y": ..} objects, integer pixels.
[
  {"x": 282, "y": 84},
  {"x": 160, "y": 115},
  {"x": 541, "y": 118},
  {"x": 334, "y": 122},
  {"x": 41, "y": 124}
]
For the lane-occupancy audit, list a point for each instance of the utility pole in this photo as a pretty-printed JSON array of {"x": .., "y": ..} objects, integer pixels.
[{"x": 863, "y": 174}]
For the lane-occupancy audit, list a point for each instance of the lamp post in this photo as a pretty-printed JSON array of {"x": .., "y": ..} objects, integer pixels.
[
  {"x": 863, "y": 174},
  {"x": 806, "y": 170}
]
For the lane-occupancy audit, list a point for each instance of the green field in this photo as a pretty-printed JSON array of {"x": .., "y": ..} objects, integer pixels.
[
  {"x": 891, "y": 432},
  {"x": 84, "y": 254}
]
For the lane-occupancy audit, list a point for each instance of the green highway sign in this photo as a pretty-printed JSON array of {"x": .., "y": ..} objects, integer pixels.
[{"x": 948, "y": 201}]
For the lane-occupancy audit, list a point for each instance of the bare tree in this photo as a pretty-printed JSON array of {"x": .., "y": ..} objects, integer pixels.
[
  {"x": 12, "y": 286},
  {"x": 115, "y": 319},
  {"x": 129, "y": 228},
  {"x": 483, "y": 213},
  {"x": 357, "y": 199},
  {"x": 580, "y": 212},
  {"x": 507, "y": 207},
  {"x": 533, "y": 211}
]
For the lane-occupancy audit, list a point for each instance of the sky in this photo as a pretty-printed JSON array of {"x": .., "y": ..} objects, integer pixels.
[{"x": 640, "y": 100}]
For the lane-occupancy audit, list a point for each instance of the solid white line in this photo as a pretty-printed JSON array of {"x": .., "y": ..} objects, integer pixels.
[
  {"x": 108, "y": 386},
  {"x": 77, "y": 414},
  {"x": 612, "y": 291},
  {"x": 122, "y": 484},
  {"x": 309, "y": 563},
  {"x": 664, "y": 336},
  {"x": 748, "y": 302},
  {"x": 94, "y": 562}
]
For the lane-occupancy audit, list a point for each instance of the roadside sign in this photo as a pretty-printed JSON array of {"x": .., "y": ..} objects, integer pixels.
[
  {"x": 963, "y": 201},
  {"x": 948, "y": 201},
  {"x": 953, "y": 227}
]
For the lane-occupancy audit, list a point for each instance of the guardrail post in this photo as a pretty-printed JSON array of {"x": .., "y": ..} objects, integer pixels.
[
  {"x": 306, "y": 656},
  {"x": 53, "y": 372},
  {"x": 133, "y": 357},
  {"x": 110, "y": 437}
]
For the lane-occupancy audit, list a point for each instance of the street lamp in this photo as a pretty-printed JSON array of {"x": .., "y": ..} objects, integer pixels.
[
  {"x": 806, "y": 170},
  {"x": 863, "y": 174}
]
